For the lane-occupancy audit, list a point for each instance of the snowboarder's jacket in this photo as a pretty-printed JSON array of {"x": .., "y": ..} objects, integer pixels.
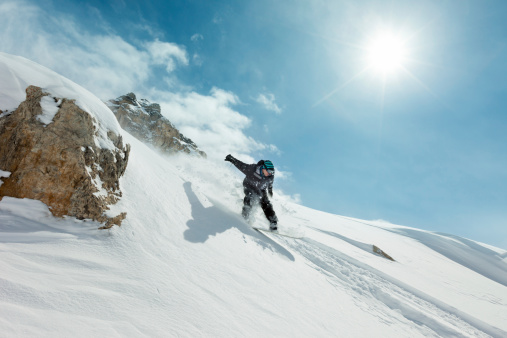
[{"x": 254, "y": 179}]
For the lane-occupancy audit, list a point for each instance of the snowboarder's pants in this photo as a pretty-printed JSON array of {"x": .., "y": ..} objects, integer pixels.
[{"x": 252, "y": 198}]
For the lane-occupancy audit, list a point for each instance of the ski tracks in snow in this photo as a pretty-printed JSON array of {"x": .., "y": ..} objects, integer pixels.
[{"x": 392, "y": 301}]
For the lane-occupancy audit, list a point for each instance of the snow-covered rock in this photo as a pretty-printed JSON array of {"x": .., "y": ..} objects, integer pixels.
[
  {"x": 61, "y": 145},
  {"x": 143, "y": 119}
]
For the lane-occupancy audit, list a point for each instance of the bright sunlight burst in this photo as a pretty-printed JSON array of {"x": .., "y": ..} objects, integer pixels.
[{"x": 386, "y": 53}]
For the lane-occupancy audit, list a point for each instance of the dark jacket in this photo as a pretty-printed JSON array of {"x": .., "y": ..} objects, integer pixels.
[{"x": 254, "y": 180}]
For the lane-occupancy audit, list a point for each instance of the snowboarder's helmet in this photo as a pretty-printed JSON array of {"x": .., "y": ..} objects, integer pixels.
[{"x": 268, "y": 165}]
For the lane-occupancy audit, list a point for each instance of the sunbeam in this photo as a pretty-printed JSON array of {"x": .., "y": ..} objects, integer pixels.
[
  {"x": 420, "y": 83},
  {"x": 334, "y": 91}
]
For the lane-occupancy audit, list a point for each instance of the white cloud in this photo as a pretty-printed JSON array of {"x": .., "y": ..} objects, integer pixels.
[
  {"x": 145, "y": 27},
  {"x": 197, "y": 60},
  {"x": 268, "y": 102},
  {"x": 105, "y": 63},
  {"x": 196, "y": 37},
  {"x": 281, "y": 196},
  {"x": 166, "y": 53},
  {"x": 273, "y": 149},
  {"x": 217, "y": 19},
  {"x": 211, "y": 122}
]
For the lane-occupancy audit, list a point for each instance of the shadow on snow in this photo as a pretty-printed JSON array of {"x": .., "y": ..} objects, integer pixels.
[{"x": 207, "y": 222}]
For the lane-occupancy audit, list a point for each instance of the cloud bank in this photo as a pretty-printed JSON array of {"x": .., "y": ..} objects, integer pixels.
[
  {"x": 109, "y": 66},
  {"x": 212, "y": 121}
]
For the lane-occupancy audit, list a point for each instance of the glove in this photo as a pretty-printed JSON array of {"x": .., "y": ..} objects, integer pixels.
[{"x": 229, "y": 158}]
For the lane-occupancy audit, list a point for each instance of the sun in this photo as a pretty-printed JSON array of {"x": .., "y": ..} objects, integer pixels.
[{"x": 386, "y": 53}]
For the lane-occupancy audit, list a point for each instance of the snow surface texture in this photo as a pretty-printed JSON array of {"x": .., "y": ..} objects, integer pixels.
[
  {"x": 184, "y": 263},
  {"x": 17, "y": 73}
]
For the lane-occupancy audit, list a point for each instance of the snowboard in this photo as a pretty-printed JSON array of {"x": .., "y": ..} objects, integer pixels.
[{"x": 275, "y": 232}]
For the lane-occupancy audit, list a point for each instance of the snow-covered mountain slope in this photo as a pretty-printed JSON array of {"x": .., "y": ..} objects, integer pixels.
[{"x": 184, "y": 263}]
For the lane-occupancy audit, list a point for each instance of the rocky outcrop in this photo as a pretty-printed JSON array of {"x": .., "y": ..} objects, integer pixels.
[
  {"x": 378, "y": 251},
  {"x": 144, "y": 121},
  {"x": 54, "y": 157}
]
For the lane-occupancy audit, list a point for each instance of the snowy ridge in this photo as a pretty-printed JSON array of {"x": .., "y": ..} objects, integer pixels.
[{"x": 17, "y": 73}]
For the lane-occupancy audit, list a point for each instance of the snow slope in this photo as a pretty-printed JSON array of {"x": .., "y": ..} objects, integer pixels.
[{"x": 184, "y": 263}]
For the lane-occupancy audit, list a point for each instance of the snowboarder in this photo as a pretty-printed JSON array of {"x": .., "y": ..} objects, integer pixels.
[{"x": 256, "y": 185}]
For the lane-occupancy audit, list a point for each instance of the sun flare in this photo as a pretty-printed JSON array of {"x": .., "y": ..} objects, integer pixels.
[{"x": 386, "y": 53}]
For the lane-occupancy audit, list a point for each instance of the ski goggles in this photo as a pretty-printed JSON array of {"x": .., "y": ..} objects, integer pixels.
[{"x": 269, "y": 169}]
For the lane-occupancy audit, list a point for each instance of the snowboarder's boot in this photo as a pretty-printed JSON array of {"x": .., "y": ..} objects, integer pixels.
[
  {"x": 273, "y": 227},
  {"x": 246, "y": 213}
]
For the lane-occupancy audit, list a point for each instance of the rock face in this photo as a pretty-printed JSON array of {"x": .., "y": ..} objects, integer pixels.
[
  {"x": 144, "y": 121},
  {"x": 52, "y": 156},
  {"x": 378, "y": 251}
]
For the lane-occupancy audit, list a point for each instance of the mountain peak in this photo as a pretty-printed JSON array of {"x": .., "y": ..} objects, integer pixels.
[{"x": 144, "y": 120}]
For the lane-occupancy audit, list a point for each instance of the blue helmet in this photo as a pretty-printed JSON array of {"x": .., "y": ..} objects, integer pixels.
[{"x": 268, "y": 165}]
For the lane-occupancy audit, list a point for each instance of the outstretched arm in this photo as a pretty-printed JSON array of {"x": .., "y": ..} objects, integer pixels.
[{"x": 237, "y": 163}]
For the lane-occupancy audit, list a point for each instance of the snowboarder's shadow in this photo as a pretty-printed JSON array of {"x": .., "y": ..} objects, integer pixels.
[{"x": 217, "y": 219}]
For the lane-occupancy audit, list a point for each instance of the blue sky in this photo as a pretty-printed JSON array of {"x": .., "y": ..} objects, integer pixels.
[{"x": 423, "y": 145}]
